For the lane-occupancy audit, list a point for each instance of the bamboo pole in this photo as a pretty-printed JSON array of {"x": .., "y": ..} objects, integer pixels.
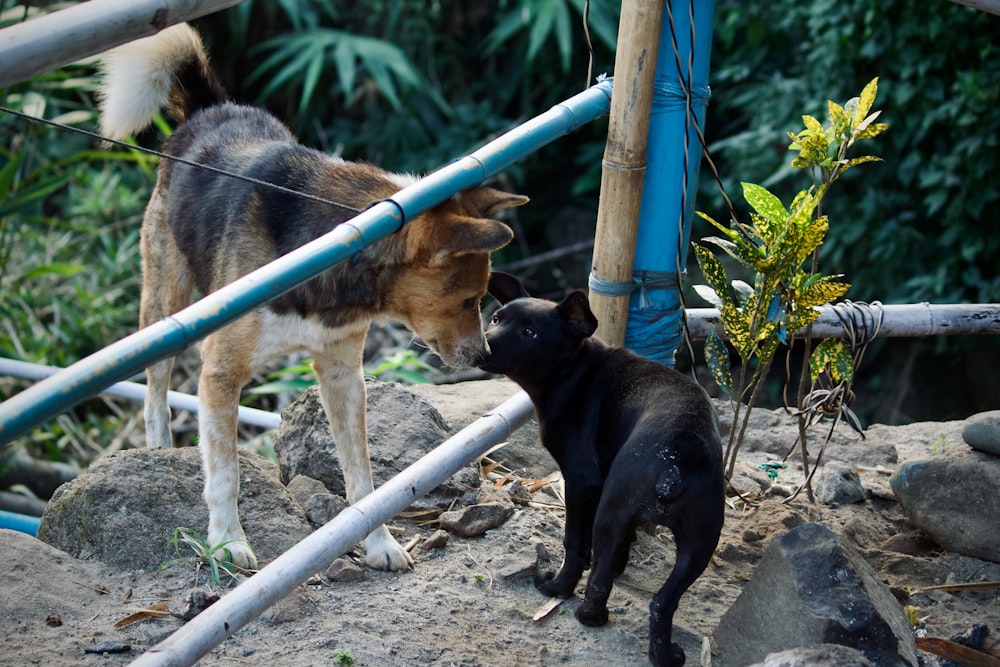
[
  {"x": 899, "y": 321},
  {"x": 624, "y": 166},
  {"x": 52, "y": 40}
]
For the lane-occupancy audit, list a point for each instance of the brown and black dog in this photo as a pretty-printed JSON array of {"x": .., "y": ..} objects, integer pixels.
[
  {"x": 203, "y": 230},
  {"x": 636, "y": 442}
]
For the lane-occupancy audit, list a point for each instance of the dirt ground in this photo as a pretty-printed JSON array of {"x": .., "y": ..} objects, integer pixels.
[{"x": 472, "y": 602}]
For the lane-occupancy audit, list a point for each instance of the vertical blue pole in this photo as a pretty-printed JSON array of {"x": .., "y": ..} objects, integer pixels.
[{"x": 655, "y": 327}]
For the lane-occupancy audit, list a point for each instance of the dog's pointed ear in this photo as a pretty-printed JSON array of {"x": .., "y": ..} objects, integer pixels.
[
  {"x": 505, "y": 287},
  {"x": 464, "y": 236},
  {"x": 489, "y": 201},
  {"x": 575, "y": 311}
]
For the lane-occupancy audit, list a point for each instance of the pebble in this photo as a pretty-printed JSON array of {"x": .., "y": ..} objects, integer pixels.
[{"x": 982, "y": 432}]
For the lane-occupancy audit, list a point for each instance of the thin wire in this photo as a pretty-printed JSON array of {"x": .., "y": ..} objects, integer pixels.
[
  {"x": 590, "y": 44},
  {"x": 198, "y": 165},
  {"x": 689, "y": 118}
]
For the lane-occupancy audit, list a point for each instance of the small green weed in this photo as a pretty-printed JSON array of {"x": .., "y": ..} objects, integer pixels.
[
  {"x": 224, "y": 574},
  {"x": 342, "y": 656}
]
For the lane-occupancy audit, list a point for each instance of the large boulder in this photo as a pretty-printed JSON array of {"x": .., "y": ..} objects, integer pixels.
[
  {"x": 463, "y": 403},
  {"x": 402, "y": 427},
  {"x": 125, "y": 508},
  {"x": 955, "y": 499},
  {"x": 811, "y": 588}
]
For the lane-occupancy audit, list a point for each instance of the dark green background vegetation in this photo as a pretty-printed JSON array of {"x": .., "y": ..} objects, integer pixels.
[{"x": 410, "y": 85}]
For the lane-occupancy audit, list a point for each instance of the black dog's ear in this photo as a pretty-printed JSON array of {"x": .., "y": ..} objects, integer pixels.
[
  {"x": 505, "y": 287},
  {"x": 575, "y": 311}
]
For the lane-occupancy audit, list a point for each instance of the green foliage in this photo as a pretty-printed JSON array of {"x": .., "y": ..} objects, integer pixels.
[
  {"x": 774, "y": 246},
  {"x": 920, "y": 229},
  {"x": 343, "y": 656},
  {"x": 223, "y": 572},
  {"x": 69, "y": 251}
]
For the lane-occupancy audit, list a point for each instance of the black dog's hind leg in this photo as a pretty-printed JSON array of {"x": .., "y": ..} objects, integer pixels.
[
  {"x": 696, "y": 537},
  {"x": 581, "y": 503}
]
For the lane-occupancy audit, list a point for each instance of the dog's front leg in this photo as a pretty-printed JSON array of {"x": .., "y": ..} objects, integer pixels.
[
  {"x": 223, "y": 375},
  {"x": 342, "y": 392},
  {"x": 582, "y": 497}
]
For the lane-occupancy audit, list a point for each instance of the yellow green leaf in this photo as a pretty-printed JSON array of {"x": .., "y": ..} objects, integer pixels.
[
  {"x": 714, "y": 272},
  {"x": 734, "y": 321},
  {"x": 833, "y": 355},
  {"x": 865, "y": 102},
  {"x": 826, "y": 290},
  {"x": 717, "y": 359}
]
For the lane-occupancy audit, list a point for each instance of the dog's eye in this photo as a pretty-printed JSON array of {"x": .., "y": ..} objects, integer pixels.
[
  {"x": 495, "y": 319},
  {"x": 469, "y": 303},
  {"x": 528, "y": 332}
]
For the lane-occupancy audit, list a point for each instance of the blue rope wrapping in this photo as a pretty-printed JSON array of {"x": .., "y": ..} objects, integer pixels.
[
  {"x": 669, "y": 96},
  {"x": 643, "y": 281},
  {"x": 653, "y": 330},
  {"x": 656, "y": 333}
]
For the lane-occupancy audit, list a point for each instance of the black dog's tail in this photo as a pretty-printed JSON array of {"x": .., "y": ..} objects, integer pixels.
[{"x": 169, "y": 71}]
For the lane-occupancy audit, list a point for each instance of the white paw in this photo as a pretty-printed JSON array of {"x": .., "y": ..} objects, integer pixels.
[
  {"x": 382, "y": 552},
  {"x": 237, "y": 552}
]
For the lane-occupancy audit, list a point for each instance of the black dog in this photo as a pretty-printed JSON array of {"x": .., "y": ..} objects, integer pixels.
[{"x": 637, "y": 442}]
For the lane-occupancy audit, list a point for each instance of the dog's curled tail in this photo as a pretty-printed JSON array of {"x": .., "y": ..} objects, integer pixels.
[{"x": 168, "y": 70}]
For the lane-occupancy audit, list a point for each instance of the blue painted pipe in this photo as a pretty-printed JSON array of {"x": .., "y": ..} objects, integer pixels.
[
  {"x": 130, "y": 355},
  {"x": 19, "y": 522},
  {"x": 654, "y": 328}
]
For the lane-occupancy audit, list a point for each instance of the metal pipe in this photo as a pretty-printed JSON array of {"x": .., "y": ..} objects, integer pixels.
[
  {"x": 52, "y": 40},
  {"x": 899, "y": 321},
  {"x": 86, "y": 378},
  {"x": 248, "y": 600},
  {"x": 133, "y": 391}
]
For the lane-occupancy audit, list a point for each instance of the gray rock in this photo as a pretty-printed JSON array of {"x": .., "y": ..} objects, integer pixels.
[
  {"x": 955, "y": 499},
  {"x": 303, "y": 488},
  {"x": 321, "y": 508},
  {"x": 402, "y": 427},
  {"x": 124, "y": 509},
  {"x": 463, "y": 403},
  {"x": 437, "y": 540},
  {"x": 982, "y": 432},
  {"x": 825, "y": 655},
  {"x": 811, "y": 587},
  {"x": 839, "y": 485},
  {"x": 195, "y": 601},
  {"x": 343, "y": 570},
  {"x": 475, "y": 520}
]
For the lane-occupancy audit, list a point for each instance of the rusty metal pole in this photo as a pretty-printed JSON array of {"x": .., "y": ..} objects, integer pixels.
[{"x": 624, "y": 166}]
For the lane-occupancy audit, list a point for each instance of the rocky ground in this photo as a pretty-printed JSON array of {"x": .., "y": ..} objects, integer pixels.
[{"x": 470, "y": 601}]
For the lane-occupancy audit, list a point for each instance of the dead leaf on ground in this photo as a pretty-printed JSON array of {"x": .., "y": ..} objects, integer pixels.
[
  {"x": 158, "y": 610},
  {"x": 547, "y": 609}
]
